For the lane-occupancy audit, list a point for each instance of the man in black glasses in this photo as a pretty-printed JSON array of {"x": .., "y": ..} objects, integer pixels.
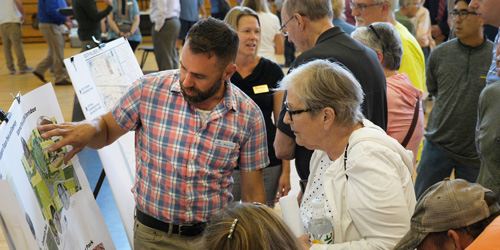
[
  {"x": 308, "y": 24},
  {"x": 455, "y": 76},
  {"x": 367, "y": 12}
]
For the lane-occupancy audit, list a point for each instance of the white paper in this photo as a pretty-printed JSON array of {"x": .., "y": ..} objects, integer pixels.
[
  {"x": 12, "y": 220},
  {"x": 55, "y": 198},
  {"x": 100, "y": 76},
  {"x": 291, "y": 214}
]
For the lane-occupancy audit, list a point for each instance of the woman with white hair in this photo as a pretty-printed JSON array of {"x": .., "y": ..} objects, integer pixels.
[
  {"x": 363, "y": 174},
  {"x": 405, "y": 121}
]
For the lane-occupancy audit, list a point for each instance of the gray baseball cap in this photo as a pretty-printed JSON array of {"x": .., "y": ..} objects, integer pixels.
[{"x": 449, "y": 204}]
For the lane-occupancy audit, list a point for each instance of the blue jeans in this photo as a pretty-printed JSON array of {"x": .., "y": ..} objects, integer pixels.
[{"x": 434, "y": 166}]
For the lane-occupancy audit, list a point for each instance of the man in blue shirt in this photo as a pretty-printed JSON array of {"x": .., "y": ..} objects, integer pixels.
[
  {"x": 188, "y": 17},
  {"x": 50, "y": 20}
]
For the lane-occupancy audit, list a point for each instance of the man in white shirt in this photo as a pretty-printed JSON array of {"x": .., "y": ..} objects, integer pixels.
[
  {"x": 11, "y": 18},
  {"x": 164, "y": 15}
]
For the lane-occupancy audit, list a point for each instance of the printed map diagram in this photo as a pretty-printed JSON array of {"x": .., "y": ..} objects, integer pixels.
[
  {"x": 111, "y": 72},
  {"x": 53, "y": 182}
]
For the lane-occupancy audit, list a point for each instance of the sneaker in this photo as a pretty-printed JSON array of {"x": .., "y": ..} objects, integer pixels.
[
  {"x": 63, "y": 82},
  {"x": 12, "y": 72},
  {"x": 39, "y": 76},
  {"x": 26, "y": 70}
]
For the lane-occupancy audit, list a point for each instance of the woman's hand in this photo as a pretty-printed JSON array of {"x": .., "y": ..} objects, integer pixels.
[{"x": 304, "y": 242}]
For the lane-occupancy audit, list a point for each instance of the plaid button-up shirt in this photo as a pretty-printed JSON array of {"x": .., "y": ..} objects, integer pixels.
[{"x": 184, "y": 166}]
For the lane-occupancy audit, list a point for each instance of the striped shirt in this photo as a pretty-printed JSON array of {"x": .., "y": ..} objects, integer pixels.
[{"x": 184, "y": 166}]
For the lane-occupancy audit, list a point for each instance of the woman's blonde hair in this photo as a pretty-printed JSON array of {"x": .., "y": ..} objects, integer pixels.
[
  {"x": 338, "y": 8},
  {"x": 257, "y": 227},
  {"x": 236, "y": 13},
  {"x": 257, "y": 5}
]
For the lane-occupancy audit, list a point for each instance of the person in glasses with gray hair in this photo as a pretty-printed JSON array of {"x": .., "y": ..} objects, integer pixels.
[
  {"x": 405, "y": 114},
  {"x": 363, "y": 174},
  {"x": 308, "y": 24},
  {"x": 413, "y": 61}
]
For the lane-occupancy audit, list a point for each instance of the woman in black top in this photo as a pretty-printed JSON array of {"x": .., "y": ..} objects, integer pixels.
[{"x": 258, "y": 77}]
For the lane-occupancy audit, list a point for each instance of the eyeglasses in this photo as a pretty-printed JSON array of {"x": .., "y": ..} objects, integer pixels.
[
  {"x": 295, "y": 112},
  {"x": 362, "y": 7},
  {"x": 461, "y": 14},
  {"x": 283, "y": 29}
]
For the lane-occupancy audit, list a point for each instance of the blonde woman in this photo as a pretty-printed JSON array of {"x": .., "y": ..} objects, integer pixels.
[
  {"x": 258, "y": 77},
  {"x": 247, "y": 226},
  {"x": 271, "y": 40}
]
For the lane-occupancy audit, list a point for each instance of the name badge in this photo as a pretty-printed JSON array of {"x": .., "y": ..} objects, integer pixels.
[
  {"x": 225, "y": 144},
  {"x": 260, "y": 89}
]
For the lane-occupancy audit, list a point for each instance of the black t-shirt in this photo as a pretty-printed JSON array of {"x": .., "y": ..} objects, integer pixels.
[
  {"x": 336, "y": 46},
  {"x": 259, "y": 86}
]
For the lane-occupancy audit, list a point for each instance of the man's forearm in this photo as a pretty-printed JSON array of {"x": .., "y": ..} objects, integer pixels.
[{"x": 284, "y": 146}]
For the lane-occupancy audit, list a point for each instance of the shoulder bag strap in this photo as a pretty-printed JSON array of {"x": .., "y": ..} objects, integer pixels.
[{"x": 413, "y": 124}]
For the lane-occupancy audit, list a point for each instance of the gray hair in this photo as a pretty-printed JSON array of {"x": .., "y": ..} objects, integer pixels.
[
  {"x": 403, "y": 3},
  {"x": 312, "y": 9},
  {"x": 392, "y": 4},
  {"x": 322, "y": 83},
  {"x": 388, "y": 42}
]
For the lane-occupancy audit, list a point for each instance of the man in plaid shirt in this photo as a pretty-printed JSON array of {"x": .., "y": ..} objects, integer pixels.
[{"x": 192, "y": 128}]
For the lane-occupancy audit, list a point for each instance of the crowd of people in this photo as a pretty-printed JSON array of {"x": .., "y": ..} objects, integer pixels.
[{"x": 217, "y": 126}]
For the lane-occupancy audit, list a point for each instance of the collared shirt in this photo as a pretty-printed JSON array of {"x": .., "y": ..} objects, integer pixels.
[
  {"x": 184, "y": 166},
  {"x": 159, "y": 10}
]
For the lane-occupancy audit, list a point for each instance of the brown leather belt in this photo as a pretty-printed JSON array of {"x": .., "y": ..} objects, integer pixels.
[{"x": 189, "y": 230}]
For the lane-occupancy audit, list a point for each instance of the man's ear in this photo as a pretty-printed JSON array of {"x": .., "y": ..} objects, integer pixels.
[
  {"x": 459, "y": 239},
  {"x": 380, "y": 56},
  {"x": 386, "y": 7},
  {"x": 300, "y": 20},
  {"x": 229, "y": 71}
]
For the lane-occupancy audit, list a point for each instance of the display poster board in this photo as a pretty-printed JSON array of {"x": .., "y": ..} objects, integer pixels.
[
  {"x": 46, "y": 204},
  {"x": 100, "y": 76}
]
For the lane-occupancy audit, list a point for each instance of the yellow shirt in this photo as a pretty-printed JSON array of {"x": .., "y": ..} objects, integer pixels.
[{"x": 413, "y": 62}]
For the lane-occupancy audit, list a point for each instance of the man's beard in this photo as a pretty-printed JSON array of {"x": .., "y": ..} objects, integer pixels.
[
  {"x": 201, "y": 96},
  {"x": 360, "y": 22}
]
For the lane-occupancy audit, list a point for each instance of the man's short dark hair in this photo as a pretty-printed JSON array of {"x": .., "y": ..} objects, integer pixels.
[
  {"x": 473, "y": 230},
  {"x": 214, "y": 37}
]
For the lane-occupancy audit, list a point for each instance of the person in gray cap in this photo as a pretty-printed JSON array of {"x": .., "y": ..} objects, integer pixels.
[{"x": 450, "y": 215}]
